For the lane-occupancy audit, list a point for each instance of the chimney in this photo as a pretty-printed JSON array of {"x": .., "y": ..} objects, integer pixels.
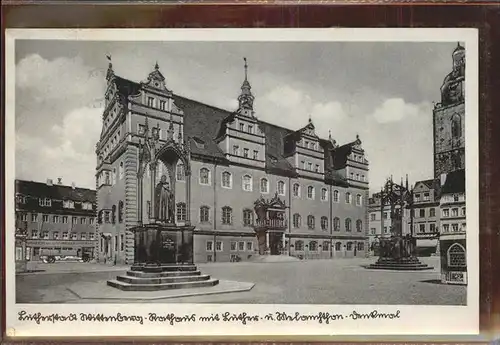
[
  {"x": 443, "y": 179},
  {"x": 59, "y": 180},
  {"x": 49, "y": 182},
  {"x": 73, "y": 185}
]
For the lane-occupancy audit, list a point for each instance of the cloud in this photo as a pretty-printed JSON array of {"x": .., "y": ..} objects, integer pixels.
[{"x": 396, "y": 109}]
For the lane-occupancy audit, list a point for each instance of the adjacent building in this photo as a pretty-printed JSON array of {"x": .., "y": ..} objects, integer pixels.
[
  {"x": 426, "y": 217},
  {"x": 314, "y": 191},
  {"x": 54, "y": 219}
]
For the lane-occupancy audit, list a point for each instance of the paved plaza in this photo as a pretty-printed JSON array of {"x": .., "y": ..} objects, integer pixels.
[{"x": 343, "y": 281}]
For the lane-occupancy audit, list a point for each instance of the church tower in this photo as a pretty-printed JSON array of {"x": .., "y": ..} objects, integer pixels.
[{"x": 449, "y": 119}]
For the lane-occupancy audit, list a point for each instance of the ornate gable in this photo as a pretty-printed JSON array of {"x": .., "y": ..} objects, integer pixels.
[
  {"x": 156, "y": 80},
  {"x": 309, "y": 129}
]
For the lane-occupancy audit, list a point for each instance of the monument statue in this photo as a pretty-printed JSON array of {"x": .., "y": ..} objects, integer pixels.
[{"x": 163, "y": 201}]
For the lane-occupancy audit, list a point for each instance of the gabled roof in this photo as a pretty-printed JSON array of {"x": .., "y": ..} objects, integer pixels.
[
  {"x": 341, "y": 153},
  {"x": 55, "y": 191},
  {"x": 455, "y": 182},
  {"x": 429, "y": 183},
  {"x": 127, "y": 87}
]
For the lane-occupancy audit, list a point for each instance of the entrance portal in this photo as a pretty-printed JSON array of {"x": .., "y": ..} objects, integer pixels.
[{"x": 275, "y": 243}]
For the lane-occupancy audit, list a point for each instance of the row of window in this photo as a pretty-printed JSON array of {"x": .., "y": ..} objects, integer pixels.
[
  {"x": 65, "y": 235},
  {"x": 47, "y": 202},
  {"x": 432, "y": 213},
  {"x": 309, "y": 144},
  {"x": 249, "y": 128},
  {"x": 358, "y": 177},
  {"x": 109, "y": 216},
  {"x": 454, "y": 227},
  {"x": 425, "y": 197},
  {"x": 56, "y": 219},
  {"x": 311, "y": 220},
  {"x": 312, "y": 246},
  {"x": 234, "y": 246},
  {"x": 454, "y": 212},
  {"x": 422, "y": 228},
  {"x": 245, "y": 153},
  {"x": 309, "y": 166}
]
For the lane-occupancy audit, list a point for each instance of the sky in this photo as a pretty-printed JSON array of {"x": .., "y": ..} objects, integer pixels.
[{"x": 383, "y": 92}]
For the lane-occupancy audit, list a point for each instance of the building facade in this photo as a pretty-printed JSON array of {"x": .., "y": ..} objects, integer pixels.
[
  {"x": 56, "y": 219},
  {"x": 449, "y": 171},
  {"x": 314, "y": 191},
  {"x": 426, "y": 217}
]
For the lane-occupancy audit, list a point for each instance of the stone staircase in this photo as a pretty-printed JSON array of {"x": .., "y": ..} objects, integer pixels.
[
  {"x": 402, "y": 264},
  {"x": 162, "y": 277}
]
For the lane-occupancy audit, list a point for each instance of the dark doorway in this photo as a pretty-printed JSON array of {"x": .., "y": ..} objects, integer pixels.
[{"x": 275, "y": 243}]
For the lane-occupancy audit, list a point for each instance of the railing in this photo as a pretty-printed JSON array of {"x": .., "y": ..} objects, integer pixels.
[{"x": 272, "y": 223}]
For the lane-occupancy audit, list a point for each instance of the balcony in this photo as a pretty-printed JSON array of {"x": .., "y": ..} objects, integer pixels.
[{"x": 275, "y": 224}]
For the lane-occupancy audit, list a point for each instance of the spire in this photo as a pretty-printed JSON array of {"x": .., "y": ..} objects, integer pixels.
[
  {"x": 246, "y": 69},
  {"x": 310, "y": 118},
  {"x": 407, "y": 181},
  {"x": 110, "y": 73},
  {"x": 157, "y": 67},
  {"x": 246, "y": 98}
]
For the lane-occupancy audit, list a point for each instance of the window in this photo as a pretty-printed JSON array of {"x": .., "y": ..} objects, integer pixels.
[
  {"x": 91, "y": 236},
  {"x": 338, "y": 246},
  {"x": 65, "y": 219},
  {"x": 245, "y": 153},
  {"x": 250, "y": 128},
  {"x": 45, "y": 235},
  {"x": 236, "y": 150},
  {"x": 310, "y": 222},
  {"x": 349, "y": 246},
  {"x": 359, "y": 200},
  {"x": 281, "y": 188},
  {"x": 326, "y": 246},
  {"x": 296, "y": 190},
  {"x": 264, "y": 185},
  {"x": 324, "y": 223},
  {"x": 255, "y": 154},
  {"x": 162, "y": 105},
  {"x": 357, "y": 177},
  {"x": 324, "y": 194},
  {"x": 210, "y": 246},
  {"x": 348, "y": 225},
  {"x": 309, "y": 166},
  {"x": 120, "y": 171},
  {"x": 316, "y": 169},
  {"x": 247, "y": 217},
  {"x": 68, "y": 204},
  {"x": 432, "y": 212},
  {"x": 74, "y": 220},
  {"x": 227, "y": 215},
  {"x": 113, "y": 177},
  {"x": 242, "y": 127},
  {"x": 91, "y": 221},
  {"x": 372, "y": 216},
  {"x": 336, "y": 224},
  {"x": 64, "y": 235},
  {"x": 454, "y": 227},
  {"x": 247, "y": 183},
  {"x": 55, "y": 235},
  {"x": 210, "y": 258},
  {"x": 385, "y": 215},
  {"x": 150, "y": 101},
  {"x": 463, "y": 211},
  {"x": 421, "y": 228},
  {"x": 310, "y": 192},
  {"x": 446, "y": 227},
  {"x": 296, "y": 220},
  {"x": 45, "y": 218},
  {"x": 359, "y": 225},
  {"x": 226, "y": 179},
  {"x": 218, "y": 246},
  {"x": 204, "y": 214},
  {"x": 427, "y": 196},
  {"x": 417, "y": 197},
  {"x": 303, "y": 165},
  {"x": 34, "y": 233},
  {"x": 55, "y": 219},
  {"x": 463, "y": 227},
  {"x": 83, "y": 220},
  {"x": 299, "y": 245},
  {"x": 87, "y": 206},
  {"x": 232, "y": 246},
  {"x": 432, "y": 227},
  {"x": 454, "y": 212},
  {"x": 249, "y": 246},
  {"x": 313, "y": 246},
  {"x": 74, "y": 236},
  {"x": 34, "y": 217},
  {"x": 361, "y": 246},
  {"x": 241, "y": 246},
  {"x": 455, "y": 198},
  {"x": 422, "y": 213},
  {"x": 352, "y": 176},
  {"x": 446, "y": 212},
  {"x": 372, "y": 231},
  {"x": 348, "y": 198},
  {"x": 181, "y": 212},
  {"x": 107, "y": 178},
  {"x": 83, "y": 236},
  {"x": 180, "y": 174},
  {"x": 204, "y": 176},
  {"x": 45, "y": 202},
  {"x": 456, "y": 255},
  {"x": 336, "y": 196},
  {"x": 456, "y": 126}
]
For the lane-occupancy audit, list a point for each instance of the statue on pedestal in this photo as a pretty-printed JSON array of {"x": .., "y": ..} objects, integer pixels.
[{"x": 164, "y": 201}]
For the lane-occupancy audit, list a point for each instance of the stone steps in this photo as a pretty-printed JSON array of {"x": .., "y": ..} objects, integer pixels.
[
  {"x": 165, "y": 286},
  {"x": 162, "y": 280},
  {"x": 163, "y": 274},
  {"x": 401, "y": 267},
  {"x": 163, "y": 268}
]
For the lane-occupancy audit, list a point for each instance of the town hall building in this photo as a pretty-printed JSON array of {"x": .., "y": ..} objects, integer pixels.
[{"x": 254, "y": 188}]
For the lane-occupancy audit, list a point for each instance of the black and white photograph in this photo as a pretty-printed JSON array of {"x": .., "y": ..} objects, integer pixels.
[{"x": 336, "y": 169}]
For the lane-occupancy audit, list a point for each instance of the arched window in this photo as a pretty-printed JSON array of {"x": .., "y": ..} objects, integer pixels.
[
  {"x": 324, "y": 194},
  {"x": 456, "y": 126},
  {"x": 359, "y": 200},
  {"x": 326, "y": 246},
  {"x": 247, "y": 217},
  {"x": 432, "y": 212},
  {"x": 227, "y": 215},
  {"x": 121, "y": 171},
  {"x": 361, "y": 246},
  {"x": 359, "y": 225},
  {"x": 347, "y": 198},
  {"x": 204, "y": 176},
  {"x": 336, "y": 224},
  {"x": 310, "y": 192},
  {"x": 338, "y": 246},
  {"x": 281, "y": 188},
  {"x": 313, "y": 246},
  {"x": 204, "y": 214},
  {"x": 120, "y": 211},
  {"x": 181, "y": 212},
  {"x": 336, "y": 196},
  {"x": 296, "y": 190},
  {"x": 324, "y": 223},
  {"x": 299, "y": 245},
  {"x": 247, "y": 183},
  {"x": 348, "y": 224},
  {"x": 227, "y": 179},
  {"x": 349, "y": 246},
  {"x": 296, "y": 220},
  {"x": 180, "y": 173},
  {"x": 310, "y": 222},
  {"x": 113, "y": 214},
  {"x": 264, "y": 185},
  {"x": 456, "y": 256}
]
